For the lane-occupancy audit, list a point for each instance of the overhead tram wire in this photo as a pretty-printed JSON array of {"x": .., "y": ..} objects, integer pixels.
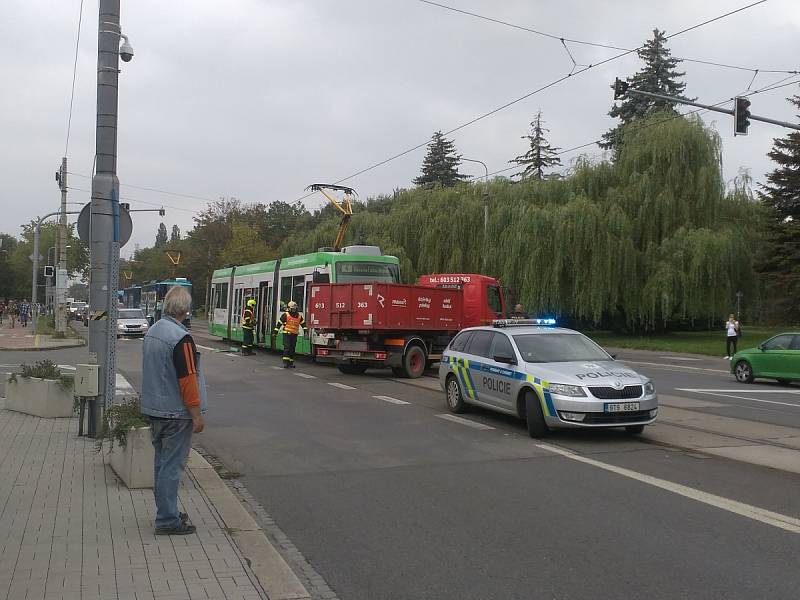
[
  {"x": 536, "y": 91},
  {"x": 158, "y": 204},
  {"x": 74, "y": 75},
  {"x": 769, "y": 87},
  {"x": 564, "y": 40},
  {"x": 156, "y": 190}
]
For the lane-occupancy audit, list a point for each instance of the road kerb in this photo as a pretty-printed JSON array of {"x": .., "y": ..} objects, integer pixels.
[{"x": 272, "y": 571}]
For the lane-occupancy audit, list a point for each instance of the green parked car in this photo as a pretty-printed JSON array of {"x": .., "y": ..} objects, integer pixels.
[{"x": 777, "y": 358}]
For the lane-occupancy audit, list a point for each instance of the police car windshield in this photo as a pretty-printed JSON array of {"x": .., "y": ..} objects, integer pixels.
[{"x": 558, "y": 347}]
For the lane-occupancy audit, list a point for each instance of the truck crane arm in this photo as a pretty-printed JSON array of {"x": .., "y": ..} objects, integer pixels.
[{"x": 344, "y": 206}]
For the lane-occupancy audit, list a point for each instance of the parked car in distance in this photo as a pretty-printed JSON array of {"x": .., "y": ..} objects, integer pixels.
[
  {"x": 131, "y": 321},
  {"x": 777, "y": 358}
]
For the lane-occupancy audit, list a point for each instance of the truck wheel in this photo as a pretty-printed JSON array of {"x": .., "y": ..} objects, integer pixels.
[
  {"x": 352, "y": 369},
  {"x": 455, "y": 399},
  {"x": 414, "y": 362},
  {"x": 534, "y": 418}
]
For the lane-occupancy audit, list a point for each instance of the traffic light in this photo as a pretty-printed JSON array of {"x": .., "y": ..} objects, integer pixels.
[
  {"x": 620, "y": 87},
  {"x": 741, "y": 112},
  {"x": 49, "y": 271}
]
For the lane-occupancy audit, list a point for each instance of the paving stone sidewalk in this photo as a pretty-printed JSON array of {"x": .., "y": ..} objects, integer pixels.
[
  {"x": 24, "y": 338},
  {"x": 69, "y": 529}
]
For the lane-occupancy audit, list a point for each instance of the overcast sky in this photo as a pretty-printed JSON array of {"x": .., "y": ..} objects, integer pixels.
[{"x": 257, "y": 99}]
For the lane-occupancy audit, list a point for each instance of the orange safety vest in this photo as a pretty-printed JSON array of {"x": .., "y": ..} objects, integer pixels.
[{"x": 292, "y": 324}]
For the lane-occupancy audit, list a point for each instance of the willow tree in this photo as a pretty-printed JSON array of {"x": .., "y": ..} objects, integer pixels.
[{"x": 651, "y": 240}]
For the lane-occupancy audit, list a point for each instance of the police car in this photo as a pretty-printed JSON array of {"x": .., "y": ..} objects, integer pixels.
[{"x": 548, "y": 376}]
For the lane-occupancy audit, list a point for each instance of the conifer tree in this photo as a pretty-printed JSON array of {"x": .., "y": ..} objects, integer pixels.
[
  {"x": 440, "y": 165},
  {"x": 175, "y": 236},
  {"x": 541, "y": 154},
  {"x": 658, "y": 75},
  {"x": 780, "y": 257},
  {"x": 161, "y": 236}
]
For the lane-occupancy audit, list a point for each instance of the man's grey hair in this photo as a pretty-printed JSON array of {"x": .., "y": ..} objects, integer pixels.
[{"x": 177, "y": 302}]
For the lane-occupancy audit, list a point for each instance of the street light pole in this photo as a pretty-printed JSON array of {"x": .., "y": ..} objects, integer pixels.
[
  {"x": 485, "y": 208},
  {"x": 104, "y": 213},
  {"x": 35, "y": 261}
]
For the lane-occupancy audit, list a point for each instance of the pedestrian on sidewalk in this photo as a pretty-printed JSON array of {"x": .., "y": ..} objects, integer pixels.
[
  {"x": 732, "y": 331},
  {"x": 12, "y": 313},
  {"x": 24, "y": 312},
  {"x": 2, "y": 311},
  {"x": 174, "y": 397}
]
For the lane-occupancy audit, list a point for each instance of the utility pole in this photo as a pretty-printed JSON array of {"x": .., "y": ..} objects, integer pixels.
[
  {"x": 61, "y": 274},
  {"x": 104, "y": 213}
]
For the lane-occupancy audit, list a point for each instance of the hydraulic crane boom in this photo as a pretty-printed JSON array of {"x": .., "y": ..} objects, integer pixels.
[{"x": 344, "y": 206}]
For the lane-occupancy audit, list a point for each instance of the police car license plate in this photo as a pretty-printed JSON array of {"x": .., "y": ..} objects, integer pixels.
[{"x": 621, "y": 407}]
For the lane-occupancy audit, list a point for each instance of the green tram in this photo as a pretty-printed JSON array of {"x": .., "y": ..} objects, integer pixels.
[{"x": 276, "y": 282}]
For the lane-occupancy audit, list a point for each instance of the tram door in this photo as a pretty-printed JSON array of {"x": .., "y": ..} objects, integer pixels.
[{"x": 264, "y": 324}]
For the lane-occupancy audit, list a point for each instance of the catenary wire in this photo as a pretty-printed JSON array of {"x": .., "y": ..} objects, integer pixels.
[
  {"x": 563, "y": 39},
  {"x": 536, "y": 91},
  {"x": 769, "y": 87},
  {"x": 74, "y": 74}
]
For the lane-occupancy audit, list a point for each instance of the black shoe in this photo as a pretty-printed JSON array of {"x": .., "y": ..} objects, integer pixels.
[
  {"x": 183, "y": 529},
  {"x": 291, "y": 365},
  {"x": 183, "y": 517}
]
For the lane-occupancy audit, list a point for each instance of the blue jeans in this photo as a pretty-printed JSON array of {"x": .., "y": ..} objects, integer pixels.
[{"x": 172, "y": 440}]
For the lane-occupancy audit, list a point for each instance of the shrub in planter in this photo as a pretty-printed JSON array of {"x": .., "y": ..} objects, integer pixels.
[
  {"x": 125, "y": 433},
  {"x": 40, "y": 390}
]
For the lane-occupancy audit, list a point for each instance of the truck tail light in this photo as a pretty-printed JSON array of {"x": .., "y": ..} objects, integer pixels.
[
  {"x": 322, "y": 352},
  {"x": 380, "y": 356}
]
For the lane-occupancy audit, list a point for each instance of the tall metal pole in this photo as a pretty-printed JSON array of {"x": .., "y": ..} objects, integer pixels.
[
  {"x": 104, "y": 213},
  {"x": 485, "y": 209},
  {"x": 61, "y": 280}
]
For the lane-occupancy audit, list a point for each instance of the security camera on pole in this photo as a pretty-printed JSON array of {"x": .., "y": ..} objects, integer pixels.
[{"x": 104, "y": 230}]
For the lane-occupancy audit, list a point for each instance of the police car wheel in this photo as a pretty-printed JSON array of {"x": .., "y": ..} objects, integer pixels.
[
  {"x": 634, "y": 429},
  {"x": 455, "y": 400},
  {"x": 533, "y": 416}
]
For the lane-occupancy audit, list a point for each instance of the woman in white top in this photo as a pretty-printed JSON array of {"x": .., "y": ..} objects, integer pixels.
[{"x": 731, "y": 335}]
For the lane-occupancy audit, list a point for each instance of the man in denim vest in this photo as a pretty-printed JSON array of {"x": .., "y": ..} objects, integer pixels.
[{"x": 174, "y": 397}]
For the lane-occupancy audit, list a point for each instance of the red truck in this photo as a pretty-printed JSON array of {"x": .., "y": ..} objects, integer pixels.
[{"x": 405, "y": 327}]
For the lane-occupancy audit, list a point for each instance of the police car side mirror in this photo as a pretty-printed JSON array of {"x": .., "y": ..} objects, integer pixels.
[{"x": 505, "y": 359}]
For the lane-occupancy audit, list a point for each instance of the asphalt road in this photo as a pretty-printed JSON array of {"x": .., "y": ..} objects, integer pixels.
[{"x": 389, "y": 500}]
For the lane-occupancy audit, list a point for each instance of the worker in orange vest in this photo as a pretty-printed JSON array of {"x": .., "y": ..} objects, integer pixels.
[
  {"x": 290, "y": 323},
  {"x": 248, "y": 327}
]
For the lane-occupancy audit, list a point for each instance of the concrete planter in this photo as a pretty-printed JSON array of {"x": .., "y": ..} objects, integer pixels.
[
  {"x": 39, "y": 397},
  {"x": 134, "y": 463}
]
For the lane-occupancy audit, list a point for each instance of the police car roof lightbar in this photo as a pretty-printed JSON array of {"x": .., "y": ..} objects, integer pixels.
[{"x": 522, "y": 322}]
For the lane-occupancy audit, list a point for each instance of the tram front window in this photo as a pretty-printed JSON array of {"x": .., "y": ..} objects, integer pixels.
[{"x": 355, "y": 272}]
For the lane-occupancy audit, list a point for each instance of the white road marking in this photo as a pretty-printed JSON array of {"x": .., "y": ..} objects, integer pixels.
[
  {"x": 123, "y": 386},
  {"x": 739, "y": 391},
  {"x": 740, "y": 508},
  {"x": 305, "y": 376},
  {"x": 686, "y": 358},
  {"x": 750, "y": 399},
  {"x": 277, "y": 367},
  {"x": 341, "y": 386},
  {"x": 233, "y": 355},
  {"x": 391, "y": 400},
  {"x": 205, "y": 347},
  {"x": 685, "y": 367},
  {"x": 463, "y": 421}
]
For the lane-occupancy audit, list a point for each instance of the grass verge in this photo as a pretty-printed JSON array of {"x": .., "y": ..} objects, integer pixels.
[{"x": 711, "y": 343}]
